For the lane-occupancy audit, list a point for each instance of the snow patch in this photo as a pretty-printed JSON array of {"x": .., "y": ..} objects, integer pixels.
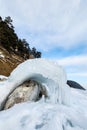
[
  {"x": 3, "y": 77},
  {"x": 1, "y": 55}
]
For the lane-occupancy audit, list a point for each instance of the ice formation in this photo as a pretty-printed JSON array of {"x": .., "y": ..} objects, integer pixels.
[
  {"x": 57, "y": 113},
  {"x": 44, "y": 71}
]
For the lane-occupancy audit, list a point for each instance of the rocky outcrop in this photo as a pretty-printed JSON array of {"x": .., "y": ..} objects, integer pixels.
[
  {"x": 28, "y": 91},
  {"x": 74, "y": 84}
]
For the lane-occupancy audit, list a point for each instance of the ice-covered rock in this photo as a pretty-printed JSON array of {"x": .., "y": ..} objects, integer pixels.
[
  {"x": 28, "y": 91},
  {"x": 43, "y": 71}
]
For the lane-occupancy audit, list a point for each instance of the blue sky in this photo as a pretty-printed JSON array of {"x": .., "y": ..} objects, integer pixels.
[{"x": 57, "y": 28}]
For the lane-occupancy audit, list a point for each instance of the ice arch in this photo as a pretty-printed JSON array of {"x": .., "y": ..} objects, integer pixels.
[{"x": 44, "y": 71}]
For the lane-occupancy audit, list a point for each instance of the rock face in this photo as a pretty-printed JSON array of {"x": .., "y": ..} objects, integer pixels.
[
  {"x": 28, "y": 91},
  {"x": 74, "y": 84}
]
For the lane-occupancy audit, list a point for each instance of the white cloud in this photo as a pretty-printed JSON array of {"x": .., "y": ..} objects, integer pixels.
[
  {"x": 78, "y": 74},
  {"x": 75, "y": 65},
  {"x": 76, "y": 68},
  {"x": 56, "y": 22},
  {"x": 79, "y": 60}
]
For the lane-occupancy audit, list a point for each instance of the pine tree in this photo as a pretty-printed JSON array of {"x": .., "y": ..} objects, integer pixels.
[{"x": 10, "y": 40}]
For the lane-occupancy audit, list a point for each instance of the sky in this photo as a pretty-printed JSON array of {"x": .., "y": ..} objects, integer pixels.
[{"x": 57, "y": 28}]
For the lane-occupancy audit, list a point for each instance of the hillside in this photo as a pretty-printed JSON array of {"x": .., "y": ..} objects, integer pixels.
[
  {"x": 13, "y": 50},
  {"x": 8, "y": 61}
]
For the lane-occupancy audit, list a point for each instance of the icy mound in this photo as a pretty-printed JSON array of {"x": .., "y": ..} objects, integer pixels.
[
  {"x": 46, "y": 72},
  {"x": 43, "y": 71},
  {"x": 41, "y": 115}
]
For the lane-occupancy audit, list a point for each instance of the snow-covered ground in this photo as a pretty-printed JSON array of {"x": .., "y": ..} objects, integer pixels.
[{"x": 66, "y": 109}]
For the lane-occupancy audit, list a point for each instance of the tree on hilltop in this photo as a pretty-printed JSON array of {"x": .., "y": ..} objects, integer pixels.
[{"x": 10, "y": 40}]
